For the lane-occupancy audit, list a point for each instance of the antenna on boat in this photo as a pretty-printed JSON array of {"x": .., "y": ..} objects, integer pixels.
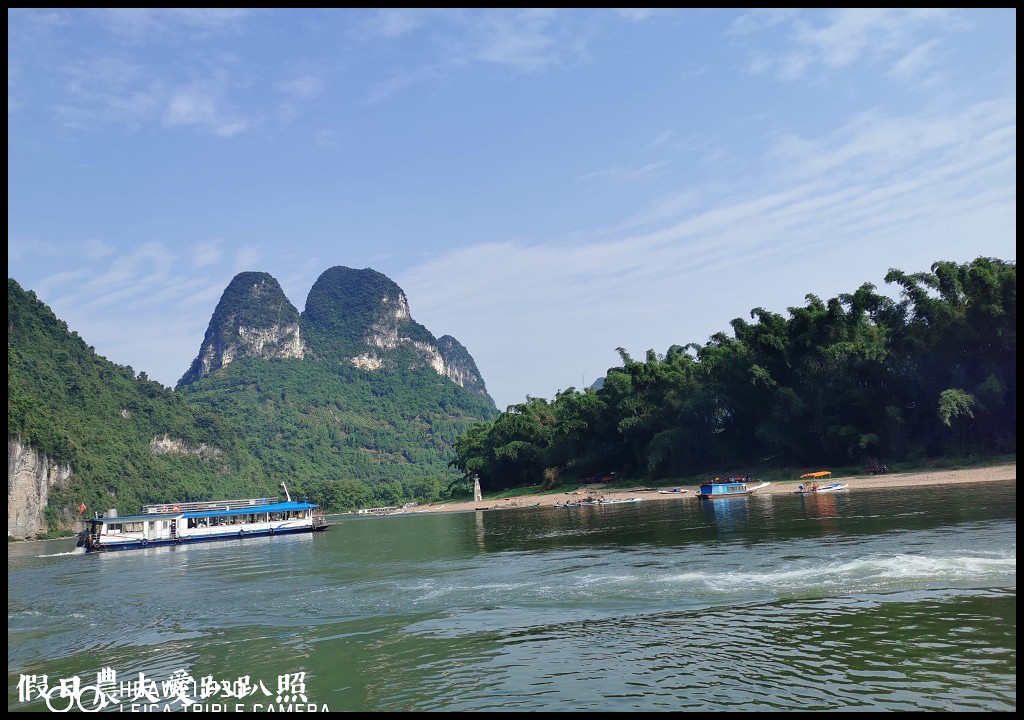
[{"x": 286, "y": 495}]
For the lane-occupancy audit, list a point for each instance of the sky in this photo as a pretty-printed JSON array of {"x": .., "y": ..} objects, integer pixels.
[{"x": 546, "y": 186}]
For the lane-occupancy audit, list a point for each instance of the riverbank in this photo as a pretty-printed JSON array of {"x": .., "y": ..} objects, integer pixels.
[{"x": 995, "y": 473}]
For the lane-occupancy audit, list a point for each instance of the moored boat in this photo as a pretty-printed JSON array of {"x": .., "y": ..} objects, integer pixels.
[
  {"x": 816, "y": 482},
  {"x": 815, "y": 488},
  {"x": 180, "y": 523},
  {"x": 723, "y": 488}
]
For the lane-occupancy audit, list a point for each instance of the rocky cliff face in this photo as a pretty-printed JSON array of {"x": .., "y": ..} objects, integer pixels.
[
  {"x": 459, "y": 365},
  {"x": 252, "y": 319},
  {"x": 30, "y": 476},
  {"x": 166, "y": 445}
]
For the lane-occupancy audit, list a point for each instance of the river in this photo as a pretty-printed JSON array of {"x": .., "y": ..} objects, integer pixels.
[{"x": 858, "y": 600}]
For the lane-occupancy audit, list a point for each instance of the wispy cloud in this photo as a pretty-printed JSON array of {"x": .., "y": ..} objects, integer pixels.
[
  {"x": 205, "y": 254},
  {"x": 203, "y": 105},
  {"x": 844, "y": 37},
  {"x": 97, "y": 249},
  {"x": 689, "y": 277},
  {"x": 137, "y": 23},
  {"x": 636, "y": 14},
  {"x": 875, "y": 145},
  {"x": 915, "y": 61},
  {"x": 393, "y": 22},
  {"x": 528, "y": 40},
  {"x": 522, "y": 40},
  {"x": 624, "y": 174},
  {"x": 114, "y": 89},
  {"x": 302, "y": 87}
]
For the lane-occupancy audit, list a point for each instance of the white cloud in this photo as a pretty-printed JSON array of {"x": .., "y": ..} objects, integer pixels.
[
  {"x": 523, "y": 39},
  {"x": 302, "y": 87},
  {"x": 915, "y": 61},
  {"x": 206, "y": 254},
  {"x": 202, "y": 106},
  {"x": 760, "y": 19},
  {"x": 636, "y": 14},
  {"x": 109, "y": 89},
  {"x": 844, "y": 37},
  {"x": 147, "y": 22},
  {"x": 394, "y": 22},
  {"x": 96, "y": 249}
]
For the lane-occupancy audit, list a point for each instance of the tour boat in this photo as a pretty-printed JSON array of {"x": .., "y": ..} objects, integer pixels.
[
  {"x": 192, "y": 522},
  {"x": 720, "y": 489}
]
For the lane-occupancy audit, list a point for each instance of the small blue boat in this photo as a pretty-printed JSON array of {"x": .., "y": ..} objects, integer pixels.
[{"x": 721, "y": 489}]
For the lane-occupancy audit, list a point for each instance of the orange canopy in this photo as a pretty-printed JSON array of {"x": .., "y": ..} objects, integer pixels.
[{"x": 819, "y": 474}]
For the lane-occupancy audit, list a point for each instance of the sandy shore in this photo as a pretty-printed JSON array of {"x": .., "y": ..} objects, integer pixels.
[{"x": 994, "y": 473}]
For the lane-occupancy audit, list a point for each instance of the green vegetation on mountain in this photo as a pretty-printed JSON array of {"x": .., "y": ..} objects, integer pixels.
[
  {"x": 98, "y": 418},
  {"x": 313, "y": 424},
  {"x": 859, "y": 376},
  {"x": 343, "y": 436},
  {"x": 252, "y": 300},
  {"x": 344, "y": 304}
]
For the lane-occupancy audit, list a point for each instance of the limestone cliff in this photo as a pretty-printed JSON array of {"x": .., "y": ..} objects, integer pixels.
[
  {"x": 30, "y": 477},
  {"x": 166, "y": 445},
  {"x": 459, "y": 365}
]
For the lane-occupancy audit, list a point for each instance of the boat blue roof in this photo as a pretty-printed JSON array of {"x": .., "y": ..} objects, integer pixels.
[{"x": 285, "y": 506}]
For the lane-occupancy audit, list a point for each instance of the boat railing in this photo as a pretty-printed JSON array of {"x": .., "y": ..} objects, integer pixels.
[{"x": 166, "y": 508}]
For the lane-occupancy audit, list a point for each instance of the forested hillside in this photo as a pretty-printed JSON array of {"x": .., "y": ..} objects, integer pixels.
[
  {"x": 345, "y": 436},
  {"x": 835, "y": 382},
  {"x": 100, "y": 419}
]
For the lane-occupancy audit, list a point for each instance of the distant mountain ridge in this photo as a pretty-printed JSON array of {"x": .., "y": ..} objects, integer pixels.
[{"x": 358, "y": 317}]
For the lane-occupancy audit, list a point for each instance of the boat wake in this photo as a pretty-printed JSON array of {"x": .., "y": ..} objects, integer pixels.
[{"x": 76, "y": 551}]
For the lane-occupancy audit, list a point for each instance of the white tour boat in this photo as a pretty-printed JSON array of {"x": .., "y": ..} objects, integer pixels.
[{"x": 191, "y": 522}]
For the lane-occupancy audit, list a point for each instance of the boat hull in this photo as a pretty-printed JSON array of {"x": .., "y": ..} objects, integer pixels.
[
  {"x": 192, "y": 540},
  {"x": 723, "y": 496},
  {"x": 834, "y": 487}
]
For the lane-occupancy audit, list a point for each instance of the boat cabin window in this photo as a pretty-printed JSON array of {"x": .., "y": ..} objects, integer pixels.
[
  {"x": 133, "y": 527},
  {"x": 114, "y": 528}
]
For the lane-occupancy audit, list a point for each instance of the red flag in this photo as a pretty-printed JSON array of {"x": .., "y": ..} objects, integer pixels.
[{"x": 81, "y": 510}]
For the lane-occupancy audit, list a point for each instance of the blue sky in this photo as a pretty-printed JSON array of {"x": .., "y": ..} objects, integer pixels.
[{"x": 545, "y": 185}]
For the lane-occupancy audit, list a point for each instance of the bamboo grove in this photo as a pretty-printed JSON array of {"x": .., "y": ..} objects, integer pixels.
[{"x": 861, "y": 375}]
